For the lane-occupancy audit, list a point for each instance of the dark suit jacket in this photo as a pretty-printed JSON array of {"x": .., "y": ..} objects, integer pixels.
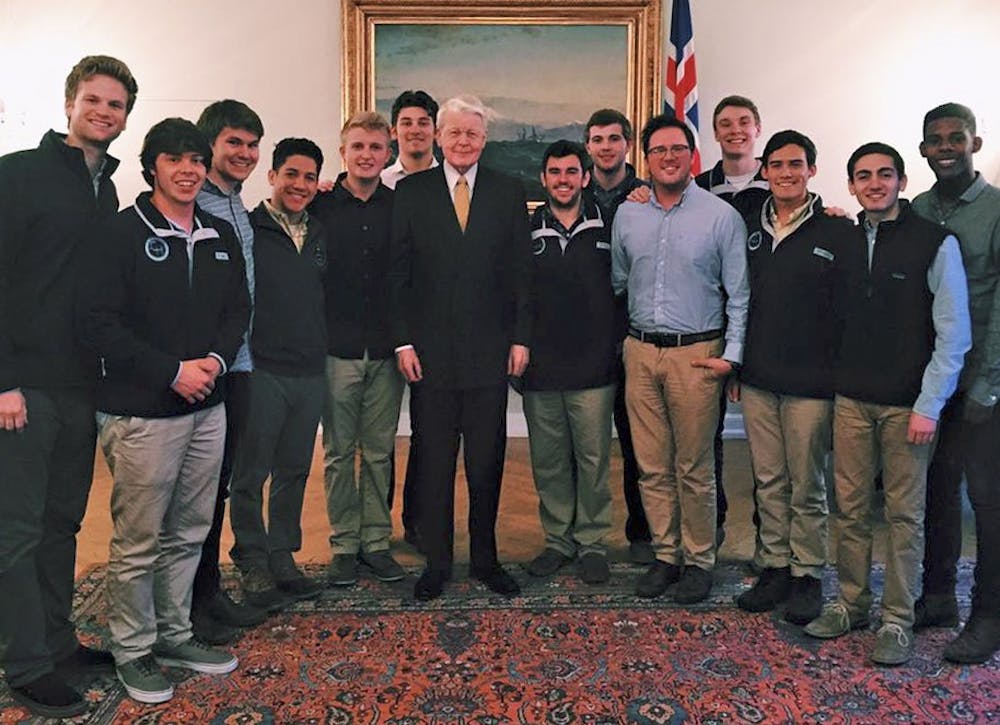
[{"x": 461, "y": 299}]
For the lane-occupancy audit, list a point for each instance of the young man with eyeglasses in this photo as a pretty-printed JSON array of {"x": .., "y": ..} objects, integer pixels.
[{"x": 680, "y": 257}]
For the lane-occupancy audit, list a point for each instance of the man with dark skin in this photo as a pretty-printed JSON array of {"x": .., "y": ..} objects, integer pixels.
[{"x": 969, "y": 427}]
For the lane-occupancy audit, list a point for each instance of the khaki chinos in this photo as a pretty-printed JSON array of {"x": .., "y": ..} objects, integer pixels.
[
  {"x": 789, "y": 440},
  {"x": 361, "y": 412},
  {"x": 861, "y": 431},
  {"x": 673, "y": 410},
  {"x": 569, "y": 434}
]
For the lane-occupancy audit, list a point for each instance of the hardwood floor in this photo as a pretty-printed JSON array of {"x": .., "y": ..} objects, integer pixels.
[{"x": 518, "y": 529}]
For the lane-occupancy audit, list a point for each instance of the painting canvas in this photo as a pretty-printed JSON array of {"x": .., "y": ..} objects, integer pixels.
[{"x": 542, "y": 81}]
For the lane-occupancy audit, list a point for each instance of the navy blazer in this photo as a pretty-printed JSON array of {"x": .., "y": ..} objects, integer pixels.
[{"x": 461, "y": 299}]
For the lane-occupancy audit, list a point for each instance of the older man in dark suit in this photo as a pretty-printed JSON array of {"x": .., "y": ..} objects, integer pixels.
[{"x": 461, "y": 295}]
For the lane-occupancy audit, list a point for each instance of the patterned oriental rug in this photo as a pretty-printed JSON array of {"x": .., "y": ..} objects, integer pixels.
[{"x": 562, "y": 653}]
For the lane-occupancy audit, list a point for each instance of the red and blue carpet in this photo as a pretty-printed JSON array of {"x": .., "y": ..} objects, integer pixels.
[{"x": 562, "y": 653}]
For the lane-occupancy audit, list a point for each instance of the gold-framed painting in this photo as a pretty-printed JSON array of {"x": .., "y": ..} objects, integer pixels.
[{"x": 541, "y": 66}]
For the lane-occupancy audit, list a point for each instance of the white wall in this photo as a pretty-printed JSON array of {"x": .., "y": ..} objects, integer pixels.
[
  {"x": 844, "y": 72},
  {"x": 281, "y": 59},
  {"x": 851, "y": 71}
]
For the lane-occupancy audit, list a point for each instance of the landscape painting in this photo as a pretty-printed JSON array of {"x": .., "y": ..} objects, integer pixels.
[
  {"x": 541, "y": 82},
  {"x": 541, "y": 66}
]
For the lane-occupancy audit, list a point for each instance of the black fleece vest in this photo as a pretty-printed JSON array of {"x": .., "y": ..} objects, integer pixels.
[{"x": 889, "y": 331}]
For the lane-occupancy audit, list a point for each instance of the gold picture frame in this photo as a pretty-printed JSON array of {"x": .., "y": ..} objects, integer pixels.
[{"x": 629, "y": 27}]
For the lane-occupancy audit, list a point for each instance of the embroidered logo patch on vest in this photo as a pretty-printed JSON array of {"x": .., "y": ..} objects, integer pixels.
[
  {"x": 538, "y": 245},
  {"x": 222, "y": 256},
  {"x": 754, "y": 241},
  {"x": 157, "y": 249},
  {"x": 824, "y": 253}
]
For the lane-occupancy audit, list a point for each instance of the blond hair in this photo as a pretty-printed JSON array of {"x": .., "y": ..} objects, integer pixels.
[{"x": 367, "y": 120}]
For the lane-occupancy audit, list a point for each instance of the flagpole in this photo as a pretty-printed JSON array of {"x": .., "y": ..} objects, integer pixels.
[{"x": 681, "y": 97}]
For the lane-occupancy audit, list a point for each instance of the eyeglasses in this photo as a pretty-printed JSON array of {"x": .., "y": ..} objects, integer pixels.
[{"x": 676, "y": 150}]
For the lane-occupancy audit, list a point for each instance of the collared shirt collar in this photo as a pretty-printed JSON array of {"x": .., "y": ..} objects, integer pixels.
[
  {"x": 451, "y": 177},
  {"x": 108, "y": 163},
  {"x": 968, "y": 196},
  {"x": 98, "y": 175},
  {"x": 295, "y": 229},
  {"x": 622, "y": 188},
  {"x": 214, "y": 188},
  {"x": 680, "y": 202},
  {"x": 590, "y": 211},
  {"x": 152, "y": 217},
  {"x": 798, "y": 217},
  {"x": 342, "y": 193},
  {"x": 976, "y": 188},
  {"x": 589, "y": 218},
  {"x": 391, "y": 175},
  {"x": 396, "y": 168}
]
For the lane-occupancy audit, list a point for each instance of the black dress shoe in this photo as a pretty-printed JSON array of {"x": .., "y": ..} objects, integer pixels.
[
  {"x": 977, "y": 643},
  {"x": 935, "y": 610},
  {"x": 411, "y": 537},
  {"x": 693, "y": 586},
  {"x": 49, "y": 696},
  {"x": 430, "y": 585},
  {"x": 655, "y": 580},
  {"x": 301, "y": 588},
  {"x": 805, "y": 600},
  {"x": 497, "y": 580},
  {"x": 271, "y": 600},
  {"x": 210, "y": 630},
  {"x": 770, "y": 590},
  {"x": 224, "y": 610},
  {"x": 86, "y": 659}
]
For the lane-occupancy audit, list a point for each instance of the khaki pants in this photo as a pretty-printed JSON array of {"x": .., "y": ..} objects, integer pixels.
[
  {"x": 569, "y": 433},
  {"x": 361, "y": 412},
  {"x": 166, "y": 475},
  {"x": 789, "y": 439},
  {"x": 673, "y": 409},
  {"x": 860, "y": 432}
]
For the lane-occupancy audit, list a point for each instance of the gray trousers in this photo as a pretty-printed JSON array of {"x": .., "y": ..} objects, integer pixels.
[
  {"x": 278, "y": 441},
  {"x": 46, "y": 473},
  {"x": 569, "y": 433},
  {"x": 166, "y": 476}
]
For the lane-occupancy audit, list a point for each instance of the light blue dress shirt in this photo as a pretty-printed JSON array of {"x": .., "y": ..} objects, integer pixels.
[{"x": 682, "y": 266}]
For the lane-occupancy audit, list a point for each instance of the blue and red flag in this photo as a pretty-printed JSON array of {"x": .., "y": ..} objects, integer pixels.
[{"x": 681, "y": 98}]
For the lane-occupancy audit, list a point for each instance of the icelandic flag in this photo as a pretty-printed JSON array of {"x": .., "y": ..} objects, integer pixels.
[{"x": 681, "y": 98}]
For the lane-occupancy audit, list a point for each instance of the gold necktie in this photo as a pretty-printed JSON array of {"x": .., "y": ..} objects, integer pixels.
[{"x": 462, "y": 201}]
